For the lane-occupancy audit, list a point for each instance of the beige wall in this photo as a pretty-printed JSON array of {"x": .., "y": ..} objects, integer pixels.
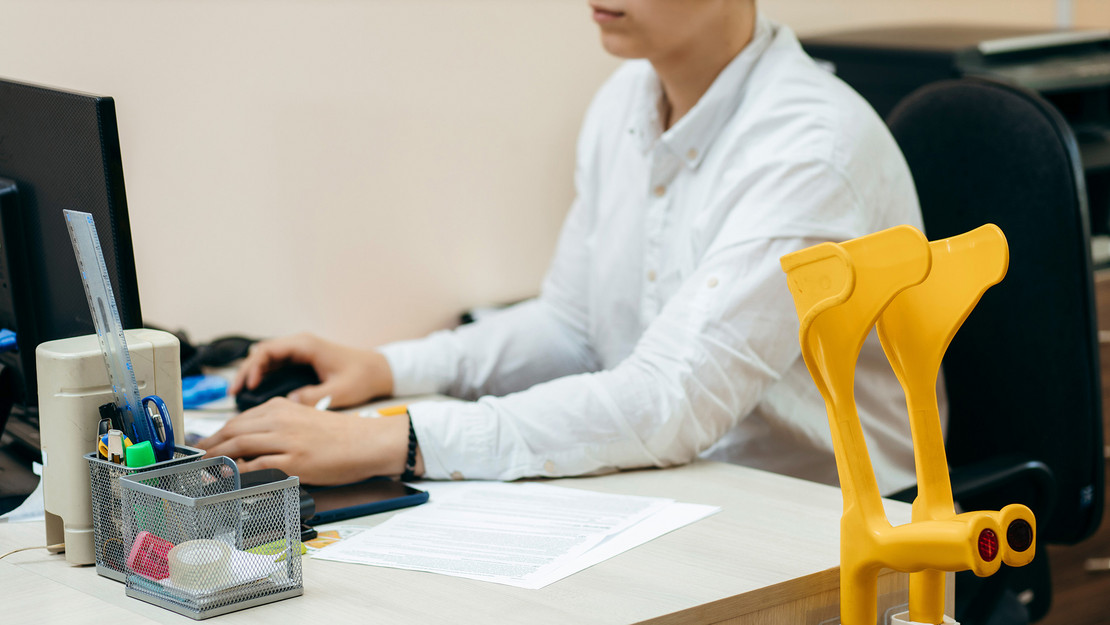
[
  {"x": 812, "y": 16},
  {"x": 362, "y": 168}
]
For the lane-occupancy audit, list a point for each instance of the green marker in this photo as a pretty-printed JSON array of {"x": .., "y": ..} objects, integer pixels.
[{"x": 139, "y": 454}]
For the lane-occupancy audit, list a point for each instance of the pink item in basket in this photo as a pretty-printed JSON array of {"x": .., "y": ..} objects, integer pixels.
[{"x": 148, "y": 556}]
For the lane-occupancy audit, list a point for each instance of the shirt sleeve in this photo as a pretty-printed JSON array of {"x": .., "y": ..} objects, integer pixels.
[{"x": 702, "y": 365}]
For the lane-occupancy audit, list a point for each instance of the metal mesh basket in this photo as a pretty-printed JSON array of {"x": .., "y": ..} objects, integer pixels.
[
  {"x": 200, "y": 545},
  {"x": 111, "y": 557}
]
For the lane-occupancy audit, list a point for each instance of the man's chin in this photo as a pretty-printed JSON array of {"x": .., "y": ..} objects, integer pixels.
[{"x": 619, "y": 46}]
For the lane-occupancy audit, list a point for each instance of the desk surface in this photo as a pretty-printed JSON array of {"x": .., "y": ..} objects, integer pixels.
[{"x": 775, "y": 541}]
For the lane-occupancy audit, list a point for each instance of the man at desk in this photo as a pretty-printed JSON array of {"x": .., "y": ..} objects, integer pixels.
[{"x": 664, "y": 330}]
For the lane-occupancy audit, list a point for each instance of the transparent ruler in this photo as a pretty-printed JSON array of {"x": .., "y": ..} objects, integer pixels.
[{"x": 105, "y": 314}]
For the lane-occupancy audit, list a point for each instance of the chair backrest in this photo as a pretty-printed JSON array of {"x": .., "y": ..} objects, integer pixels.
[{"x": 1022, "y": 374}]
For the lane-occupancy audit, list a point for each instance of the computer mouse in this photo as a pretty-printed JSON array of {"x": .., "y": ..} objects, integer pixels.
[{"x": 277, "y": 383}]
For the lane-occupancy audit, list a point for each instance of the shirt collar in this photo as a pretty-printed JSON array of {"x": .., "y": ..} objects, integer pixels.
[{"x": 692, "y": 136}]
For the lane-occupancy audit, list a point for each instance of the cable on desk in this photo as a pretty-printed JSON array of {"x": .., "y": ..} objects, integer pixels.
[{"x": 57, "y": 546}]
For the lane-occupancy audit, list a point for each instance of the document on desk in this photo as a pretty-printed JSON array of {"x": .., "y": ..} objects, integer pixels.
[{"x": 525, "y": 535}]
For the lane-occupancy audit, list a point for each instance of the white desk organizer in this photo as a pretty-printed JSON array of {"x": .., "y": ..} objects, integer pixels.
[{"x": 73, "y": 384}]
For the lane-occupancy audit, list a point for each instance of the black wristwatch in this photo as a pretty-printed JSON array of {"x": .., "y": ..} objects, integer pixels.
[{"x": 410, "y": 460}]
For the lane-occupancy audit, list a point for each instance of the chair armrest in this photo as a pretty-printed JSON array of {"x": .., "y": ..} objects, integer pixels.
[{"x": 996, "y": 482}]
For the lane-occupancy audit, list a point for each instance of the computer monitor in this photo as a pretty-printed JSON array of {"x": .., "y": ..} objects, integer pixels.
[{"x": 58, "y": 150}]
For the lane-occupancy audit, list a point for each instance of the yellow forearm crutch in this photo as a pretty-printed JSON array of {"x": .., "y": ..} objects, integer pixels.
[
  {"x": 840, "y": 291},
  {"x": 915, "y": 330}
]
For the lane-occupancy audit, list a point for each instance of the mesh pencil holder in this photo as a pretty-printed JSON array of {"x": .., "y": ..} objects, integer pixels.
[
  {"x": 200, "y": 545},
  {"x": 111, "y": 557}
]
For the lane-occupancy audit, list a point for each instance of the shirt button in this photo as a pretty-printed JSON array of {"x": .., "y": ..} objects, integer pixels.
[
  {"x": 712, "y": 283},
  {"x": 549, "y": 466},
  {"x": 692, "y": 153},
  {"x": 455, "y": 475},
  {"x": 651, "y": 276},
  {"x": 659, "y": 190}
]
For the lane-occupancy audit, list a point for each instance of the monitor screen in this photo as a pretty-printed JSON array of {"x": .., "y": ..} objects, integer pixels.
[{"x": 58, "y": 150}]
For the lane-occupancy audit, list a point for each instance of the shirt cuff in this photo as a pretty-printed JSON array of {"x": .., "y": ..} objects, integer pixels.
[
  {"x": 420, "y": 367},
  {"x": 457, "y": 440}
]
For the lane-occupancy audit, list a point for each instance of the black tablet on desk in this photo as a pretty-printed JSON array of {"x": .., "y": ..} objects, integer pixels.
[{"x": 379, "y": 494}]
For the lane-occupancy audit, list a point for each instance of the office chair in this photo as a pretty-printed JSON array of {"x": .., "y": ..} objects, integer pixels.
[{"x": 1022, "y": 374}]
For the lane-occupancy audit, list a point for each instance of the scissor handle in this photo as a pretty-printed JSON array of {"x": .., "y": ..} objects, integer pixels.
[{"x": 163, "y": 449}]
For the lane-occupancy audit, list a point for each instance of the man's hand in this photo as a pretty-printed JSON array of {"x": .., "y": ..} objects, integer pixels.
[
  {"x": 349, "y": 376},
  {"x": 319, "y": 447}
]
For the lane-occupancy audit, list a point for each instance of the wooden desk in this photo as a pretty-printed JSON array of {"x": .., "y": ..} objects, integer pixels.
[{"x": 769, "y": 556}]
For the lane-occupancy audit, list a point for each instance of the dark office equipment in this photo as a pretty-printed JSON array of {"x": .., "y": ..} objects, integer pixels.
[
  {"x": 14, "y": 292},
  {"x": 277, "y": 383},
  {"x": 269, "y": 476},
  {"x": 220, "y": 352},
  {"x": 58, "y": 150},
  {"x": 377, "y": 494},
  {"x": 1022, "y": 374},
  {"x": 1070, "y": 69}
]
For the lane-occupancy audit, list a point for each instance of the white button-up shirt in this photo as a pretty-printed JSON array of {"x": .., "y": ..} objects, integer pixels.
[{"x": 664, "y": 330}]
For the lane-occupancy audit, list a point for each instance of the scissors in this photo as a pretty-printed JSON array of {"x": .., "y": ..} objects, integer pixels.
[{"x": 156, "y": 426}]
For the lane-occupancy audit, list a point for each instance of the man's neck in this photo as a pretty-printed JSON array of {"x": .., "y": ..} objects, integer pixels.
[{"x": 688, "y": 74}]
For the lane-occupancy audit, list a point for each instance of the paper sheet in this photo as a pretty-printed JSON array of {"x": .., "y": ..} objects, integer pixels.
[
  {"x": 525, "y": 535},
  {"x": 667, "y": 520},
  {"x": 332, "y": 533}
]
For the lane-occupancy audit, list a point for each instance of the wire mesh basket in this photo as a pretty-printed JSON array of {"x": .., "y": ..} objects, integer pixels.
[
  {"x": 111, "y": 557},
  {"x": 200, "y": 545}
]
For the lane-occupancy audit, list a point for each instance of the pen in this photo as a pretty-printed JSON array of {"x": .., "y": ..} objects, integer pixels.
[
  {"x": 393, "y": 411},
  {"x": 159, "y": 426},
  {"x": 385, "y": 411}
]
